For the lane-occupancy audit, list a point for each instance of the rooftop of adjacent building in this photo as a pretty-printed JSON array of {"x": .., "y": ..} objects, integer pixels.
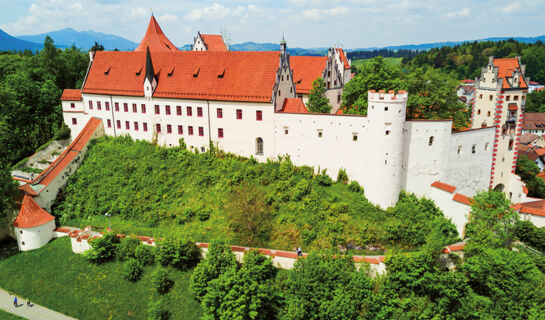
[
  {"x": 213, "y": 42},
  {"x": 506, "y": 67}
]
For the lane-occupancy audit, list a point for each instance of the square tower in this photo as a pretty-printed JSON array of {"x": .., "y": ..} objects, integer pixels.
[{"x": 500, "y": 94}]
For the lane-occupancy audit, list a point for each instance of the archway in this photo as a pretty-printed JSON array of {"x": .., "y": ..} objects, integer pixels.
[
  {"x": 499, "y": 187},
  {"x": 259, "y": 146}
]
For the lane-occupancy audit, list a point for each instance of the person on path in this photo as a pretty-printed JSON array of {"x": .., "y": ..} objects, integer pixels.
[
  {"x": 15, "y": 302},
  {"x": 299, "y": 252},
  {"x": 28, "y": 304}
]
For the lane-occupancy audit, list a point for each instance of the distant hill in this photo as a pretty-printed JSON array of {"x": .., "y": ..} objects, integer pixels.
[
  {"x": 8, "y": 42},
  {"x": 267, "y": 46},
  {"x": 83, "y": 39}
]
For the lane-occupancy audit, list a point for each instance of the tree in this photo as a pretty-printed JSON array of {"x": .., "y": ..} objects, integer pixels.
[
  {"x": 97, "y": 47},
  {"x": 161, "y": 281},
  {"x": 181, "y": 254},
  {"x": 8, "y": 191},
  {"x": 249, "y": 215},
  {"x": 246, "y": 293},
  {"x": 527, "y": 170},
  {"x": 126, "y": 248},
  {"x": 317, "y": 101},
  {"x": 131, "y": 270},
  {"x": 535, "y": 101},
  {"x": 219, "y": 260},
  {"x": 103, "y": 249}
]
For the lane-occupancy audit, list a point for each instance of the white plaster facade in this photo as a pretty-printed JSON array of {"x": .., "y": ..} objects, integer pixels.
[{"x": 36, "y": 237}]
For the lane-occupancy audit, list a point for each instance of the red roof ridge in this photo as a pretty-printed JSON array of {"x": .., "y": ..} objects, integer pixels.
[
  {"x": 343, "y": 58},
  {"x": 31, "y": 214},
  {"x": 155, "y": 39},
  {"x": 444, "y": 186}
]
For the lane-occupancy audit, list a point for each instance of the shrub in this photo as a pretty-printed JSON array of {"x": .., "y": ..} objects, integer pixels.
[
  {"x": 203, "y": 214},
  {"x": 157, "y": 310},
  {"x": 301, "y": 189},
  {"x": 144, "y": 255},
  {"x": 62, "y": 133},
  {"x": 178, "y": 253},
  {"x": 323, "y": 179},
  {"x": 354, "y": 186},
  {"x": 161, "y": 281},
  {"x": 342, "y": 176},
  {"x": 131, "y": 270},
  {"x": 126, "y": 248},
  {"x": 103, "y": 249}
]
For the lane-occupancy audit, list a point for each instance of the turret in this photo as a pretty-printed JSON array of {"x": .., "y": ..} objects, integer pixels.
[
  {"x": 150, "y": 82},
  {"x": 384, "y": 145}
]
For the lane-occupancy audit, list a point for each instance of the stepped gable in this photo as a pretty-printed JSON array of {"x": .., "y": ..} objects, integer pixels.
[
  {"x": 31, "y": 214},
  {"x": 294, "y": 105},
  {"x": 506, "y": 66},
  {"x": 213, "y": 75},
  {"x": 155, "y": 39},
  {"x": 214, "y": 42},
  {"x": 306, "y": 70},
  {"x": 343, "y": 58},
  {"x": 71, "y": 95}
]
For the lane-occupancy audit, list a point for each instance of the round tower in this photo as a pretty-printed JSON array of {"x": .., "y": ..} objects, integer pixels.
[{"x": 384, "y": 145}]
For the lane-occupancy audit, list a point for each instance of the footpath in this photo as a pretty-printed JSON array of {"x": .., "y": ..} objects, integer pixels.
[{"x": 36, "y": 312}]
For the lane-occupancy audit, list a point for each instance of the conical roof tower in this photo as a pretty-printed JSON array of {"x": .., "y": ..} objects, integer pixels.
[{"x": 155, "y": 39}]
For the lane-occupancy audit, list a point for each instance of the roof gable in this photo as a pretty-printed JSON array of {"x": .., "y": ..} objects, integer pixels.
[
  {"x": 31, "y": 214},
  {"x": 214, "y": 42},
  {"x": 306, "y": 70},
  {"x": 155, "y": 39},
  {"x": 506, "y": 67},
  {"x": 294, "y": 105},
  {"x": 71, "y": 95}
]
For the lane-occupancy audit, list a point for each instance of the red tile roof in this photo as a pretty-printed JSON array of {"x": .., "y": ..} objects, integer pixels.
[
  {"x": 468, "y": 81},
  {"x": 541, "y": 175},
  {"x": 454, "y": 247},
  {"x": 71, "y": 95},
  {"x": 525, "y": 190},
  {"x": 506, "y": 66},
  {"x": 306, "y": 70},
  {"x": 155, "y": 39},
  {"x": 340, "y": 112},
  {"x": 214, "y": 75},
  {"x": 513, "y": 107},
  {"x": 540, "y": 152},
  {"x": 294, "y": 105},
  {"x": 27, "y": 189},
  {"x": 533, "y": 121},
  {"x": 69, "y": 154},
  {"x": 536, "y": 208},
  {"x": 214, "y": 42},
  {"x": 462, "y": 199},
  {"x": 31, "y": 215},
  {"x": 443, "y": 186},
  {"x": 343, "y": 58}
]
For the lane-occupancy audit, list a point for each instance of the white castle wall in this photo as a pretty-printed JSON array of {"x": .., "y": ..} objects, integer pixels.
[
  {"x": 454, "y": 210},
  {"x": 34, "y": 238},
  {"x": 470, "y": 160},
  {"x": 384, "y": 147}
]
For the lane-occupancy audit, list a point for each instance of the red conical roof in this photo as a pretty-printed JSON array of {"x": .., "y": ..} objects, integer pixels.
[
  {"x": 31, "y": 214},
  {"x": 155, "y": 39}
]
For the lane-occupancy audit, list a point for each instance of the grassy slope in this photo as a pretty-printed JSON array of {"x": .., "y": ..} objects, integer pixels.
[
  {"x": 389, "y": 60},
  {"x": 8, "y": 316},
  {"x": 66, "y": 282}
]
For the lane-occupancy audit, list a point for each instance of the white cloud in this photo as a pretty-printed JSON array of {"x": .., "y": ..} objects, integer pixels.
[
  {"x": 167, "y": 17},
  {"x": 513, "y": 7},
  {"x": 462, "y": 13},
  {"x": 316, "y": 14},
  {"x": 213, "y": 12}
]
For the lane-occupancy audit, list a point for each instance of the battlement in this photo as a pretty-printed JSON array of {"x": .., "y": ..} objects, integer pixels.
[{"x": 391, "y": 96}]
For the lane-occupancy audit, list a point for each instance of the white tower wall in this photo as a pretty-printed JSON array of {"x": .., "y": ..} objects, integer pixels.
[{"x": 384, "y": 147}]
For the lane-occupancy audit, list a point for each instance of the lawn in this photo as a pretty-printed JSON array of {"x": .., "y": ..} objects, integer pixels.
[
  {"x": 8, "y": 316},
  {"x": 56, "y": 278},
  {"x": 393, "y": 61}
]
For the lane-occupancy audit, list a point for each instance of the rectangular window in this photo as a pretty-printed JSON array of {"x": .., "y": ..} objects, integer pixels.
[
  {"x": 259, "y": 115},
  {"x": 190, "y": 130},
  {"x": 516, "y": 98},
  {"x": 107, "y": 106},
  {"x": 219, "y": 113},
  {"x": 220, "y": 132},
  {"x": 145, "y": 126},
  {"x": 109, "y": 123},
  {"x": 91, "y": 104},
  {"x": 201, "y": 131},
  {"x": 126, "y": 107},
  {"x": 158, "y": 127},
  {"x": 507, "y": 98},
  {"x": 459, "y": 149},
  {"x": 118, "y": 124},
  {"x": 156, "y": 109},
  {"x": 99, "y": 105},
  {"x": 189, "y": 111},
  {"x": 74, "y": 121},
  {"x": 72, "y": 105},
  {"x": 134, "y": 108},
  {"x": 167, "y": 110},
  {"x": 511, "y": 144},
  {"x": 473, "y": 149},
  {"x": 135, "y": 126},
  {"x": 143, "y": 107},
  {"x": 199, "y": 111},
  {"x": 169, "y": 128},
  {"x": 127, "y": 125},
  {"x": 239, "y": 114},
  {"x": 179, "y": 110},
  {"x": 116, "y": 105},
  {"x": 430, "y": 142},
  {"x": 180, "y": 130}
]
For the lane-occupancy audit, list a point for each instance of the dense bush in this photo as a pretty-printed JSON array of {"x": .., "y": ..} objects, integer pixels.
[
  {"x": 103, "y": 249},
  {"x": 126, "y": 248},
  {"x": 533, "y": 236},
  {"x": 62, "y": 133},
  {"x": 161, "y": 281},
  {"x": 157, "y": 311},
  {"x": 342, "y": 176},
  {"x": 181, "y": 254},
  {"x": 131, "y": 270},
  {"x": 354, "y": 186},
  {"x": 144, "y": 255}
]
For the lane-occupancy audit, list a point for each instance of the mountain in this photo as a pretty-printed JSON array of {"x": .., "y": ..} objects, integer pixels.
[
  {"x": 83, "y": 39},
  {"x": 8, "y": 42}
]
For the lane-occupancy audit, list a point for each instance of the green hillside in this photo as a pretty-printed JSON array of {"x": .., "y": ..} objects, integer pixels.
[
  {"x": 389, "y": 60},
  {"x": 154, "y": 190}
]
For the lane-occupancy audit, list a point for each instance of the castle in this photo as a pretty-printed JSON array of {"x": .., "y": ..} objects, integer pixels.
[{"x": 253, "y": 104}]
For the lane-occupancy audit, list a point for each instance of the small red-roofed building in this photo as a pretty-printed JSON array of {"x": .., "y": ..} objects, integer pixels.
[
  {"x": 208, "y": 42},
  {"x": 33, "y": 227},
  {"x": 533, "y": 211}
]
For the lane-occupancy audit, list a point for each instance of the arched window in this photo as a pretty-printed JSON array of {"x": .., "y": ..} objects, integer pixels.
[
  {"x": 259, "y": 146},
  {"x": 499, "y": 187}
]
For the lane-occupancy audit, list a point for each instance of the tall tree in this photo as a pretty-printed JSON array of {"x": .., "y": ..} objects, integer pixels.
[
  {"x": 8, "y": 191},
  {"x": 317, "y": 101}
]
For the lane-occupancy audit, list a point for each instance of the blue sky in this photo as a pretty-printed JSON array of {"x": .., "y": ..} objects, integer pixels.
[{"x": 305, "y": 23}]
